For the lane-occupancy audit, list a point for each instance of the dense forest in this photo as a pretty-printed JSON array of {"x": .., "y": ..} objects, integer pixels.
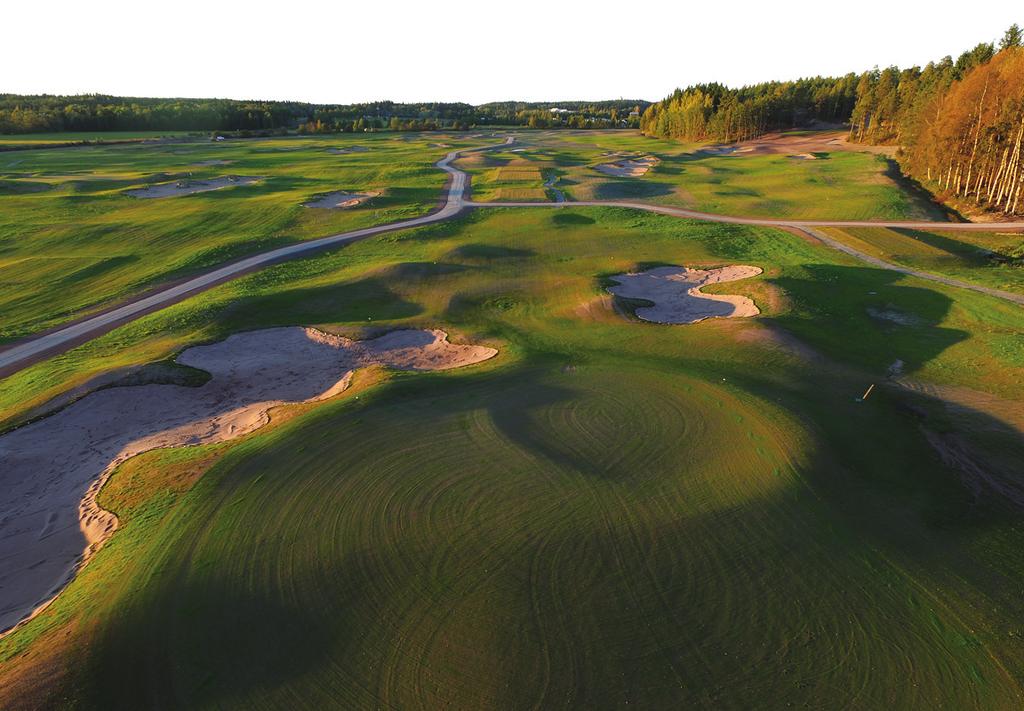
[
  {"x": 959, "y": 124},
  {"x": 34, "y": 114},
  {"x": 717, "y": 113}
]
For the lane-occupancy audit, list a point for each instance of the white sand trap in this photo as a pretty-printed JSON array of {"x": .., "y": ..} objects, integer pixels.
[
  {"x": 53, "y": 468},
  {"x": 676, "y": 293},
  {"x": 339, "y": 200},
  {"x": 347, "y": 149},
  {"x": 804, "y": 156},
  {"x": 630, "y": 168},
  {"x": 190, "y": 187}
]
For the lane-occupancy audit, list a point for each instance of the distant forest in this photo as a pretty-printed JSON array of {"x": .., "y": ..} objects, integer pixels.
[
  {"x": 959, "y": 124},
  {"x": 94, "y": 112}
]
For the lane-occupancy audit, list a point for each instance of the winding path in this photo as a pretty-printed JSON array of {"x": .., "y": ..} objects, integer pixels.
[{"x": 63, "y": 338}]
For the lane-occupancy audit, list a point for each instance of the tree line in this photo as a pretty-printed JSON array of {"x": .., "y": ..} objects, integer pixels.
[
  {"x": 959, "y": 124},
  {"x": 96, "y": 112},
  {"x": 713, "y": 112}
]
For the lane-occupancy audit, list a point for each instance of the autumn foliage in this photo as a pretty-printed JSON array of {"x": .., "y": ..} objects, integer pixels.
[{"x": 969, "y": 144}]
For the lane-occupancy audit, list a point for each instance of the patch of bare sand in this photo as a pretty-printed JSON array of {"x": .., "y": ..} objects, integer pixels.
[
  {"x": 677, "y": 296},
  {"x": 339, "y": 200},
  {"x": 190, "y": 187},
  {"x": 54, "y": 468},
  {"x": 801, "y": 146},
  {"x": 629, "y": 168}
]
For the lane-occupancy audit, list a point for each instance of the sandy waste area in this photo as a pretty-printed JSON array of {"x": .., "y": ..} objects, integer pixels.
[
  {"x": 54, "y": 468},
  {"x": 339, "y": 200},
  {"x": 629, "y": 168},
  {"x": 189, "y": 187},
  {"x": 677, "y": 296},
  {"x": 798, "y": 146}
]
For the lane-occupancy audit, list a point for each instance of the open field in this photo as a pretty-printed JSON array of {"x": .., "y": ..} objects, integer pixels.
[
  {"x": 42, "y": 139},
  {"x": 837, "y": 184},
  {"x": 73, "y": 239},
  {"x": 609, "y": 511}
]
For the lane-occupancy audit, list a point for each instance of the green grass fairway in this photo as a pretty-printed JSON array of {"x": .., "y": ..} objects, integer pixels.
[
  {"x": 839, "y": 185},
  {"x": 609, "y": 513},
  {"x": 72, "y": 241},
  {"x": 993, "y": 259},
  {"x": 44, "y": 139}
]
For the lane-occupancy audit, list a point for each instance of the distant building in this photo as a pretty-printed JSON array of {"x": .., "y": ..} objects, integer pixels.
[{"x": 556, "y": 110}]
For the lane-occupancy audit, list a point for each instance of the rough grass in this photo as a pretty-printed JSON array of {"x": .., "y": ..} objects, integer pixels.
[
  {"x": 29, "y": 139},
  {"x": 539, "y": 194},
  {"x": 83, "y": 243},
  {"x": 841, "y": 185},
  {"x": 608, "y": 512},
  {"x": 516, "y": 174}
]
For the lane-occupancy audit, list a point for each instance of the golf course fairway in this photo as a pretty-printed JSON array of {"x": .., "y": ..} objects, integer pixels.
[{"x": 608, "y": 512}]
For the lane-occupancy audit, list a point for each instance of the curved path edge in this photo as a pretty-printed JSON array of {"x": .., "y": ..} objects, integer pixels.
[
  {"x": 24, "y": 353},
  {"x": 808, "y": 227}
]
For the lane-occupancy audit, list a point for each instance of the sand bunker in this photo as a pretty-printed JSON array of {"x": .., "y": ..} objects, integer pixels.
[
  {"x": 630, "y": 168},
  {"x": 676, "y": 293},
  {"x": 54, "y": 468},
  {"x": 339, "y": 200},
  {"x": 189, "y": 187}
]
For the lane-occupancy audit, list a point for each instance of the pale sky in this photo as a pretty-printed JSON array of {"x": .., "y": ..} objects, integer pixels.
[{"x": 350, "y": 51}]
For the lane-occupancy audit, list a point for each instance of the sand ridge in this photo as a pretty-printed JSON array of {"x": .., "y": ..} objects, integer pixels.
[
  {"x": 50, "y": 523},
  {"x": 677, "y": 296},
  {"x": 801, "y": 145},
  {"x": 190, "y": 187}
]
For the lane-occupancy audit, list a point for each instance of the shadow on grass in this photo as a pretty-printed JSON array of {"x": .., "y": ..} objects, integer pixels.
[
  {"x": 194, "y": 636},
  {"x": 920, "y": 195},
  {"x": 834, "y": 315},
  {"x": 972, "y": 254},
  {"x": 206, "y": 641},
  {"x": 365, "y": 299},
  {"x": 563, "y": 218},
  {"x": 488, "y": 252},
  {"x": 631, "y": 188}
]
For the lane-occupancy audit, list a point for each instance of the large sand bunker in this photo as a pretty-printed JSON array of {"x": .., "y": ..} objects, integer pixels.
[
  {"x": 676, "y": 293},
  {"x": 629, "y": 168},
  {"x": 54, "y": 468},
  {"x": 339, "y": 200},
  {"x": 189, "y": 187}
]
